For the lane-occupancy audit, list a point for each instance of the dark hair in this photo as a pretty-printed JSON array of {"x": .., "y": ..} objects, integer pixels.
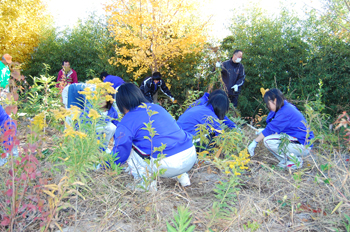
[
  {"x": 103, "y": 74},
  {"x": 273, "y": 94},
  {"x": 156, "y": 76},
  {"x": 220, "y": 104},
  {"x": 236, "y": 51},
  {"x": 215, "y": 92},
  {"x": 129, "y": 96},
  {"x": 109, "y": 103},
  {"x": 64, "y": 61}
]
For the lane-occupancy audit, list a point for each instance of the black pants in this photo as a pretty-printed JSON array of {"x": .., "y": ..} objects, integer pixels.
[{"x": 234, "y": 99}]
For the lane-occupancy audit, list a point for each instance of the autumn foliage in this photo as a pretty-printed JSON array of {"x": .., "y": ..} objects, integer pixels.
[
  {"x": 150, "y": 34},
  {"x": 21, "y": 26}
]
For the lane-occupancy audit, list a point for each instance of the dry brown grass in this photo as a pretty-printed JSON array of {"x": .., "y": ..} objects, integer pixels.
[{"x": 268, "y": 196}]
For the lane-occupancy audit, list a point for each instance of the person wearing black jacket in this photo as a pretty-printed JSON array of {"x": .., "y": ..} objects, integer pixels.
[
  {"x": 150, "y": 86},
  {"x": 233, "y": 76}
]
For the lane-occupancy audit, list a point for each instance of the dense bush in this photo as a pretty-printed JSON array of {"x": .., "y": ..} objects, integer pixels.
[
  {"x": 87, "y": 46},
  {"x": 292, "y": 55}
]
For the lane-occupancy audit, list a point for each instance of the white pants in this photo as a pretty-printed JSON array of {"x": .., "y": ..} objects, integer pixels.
[
  {"x": 175, "y": 165},
  {"x": 109, "y": 130},
  {"x": 272, "y": 142}
]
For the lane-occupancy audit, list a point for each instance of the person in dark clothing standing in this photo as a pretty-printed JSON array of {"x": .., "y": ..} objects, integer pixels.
[
  {"x": 233, "y": 76},
  {"x": 150, "y": 86}
]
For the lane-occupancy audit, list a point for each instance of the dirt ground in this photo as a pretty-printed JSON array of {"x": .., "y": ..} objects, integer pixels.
[{"x": 272, "y": 199}]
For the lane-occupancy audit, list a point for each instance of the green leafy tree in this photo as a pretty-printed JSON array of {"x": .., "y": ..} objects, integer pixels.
[
  {"x": 275, "y": 53},
  {"x": 87, "y": 46}
]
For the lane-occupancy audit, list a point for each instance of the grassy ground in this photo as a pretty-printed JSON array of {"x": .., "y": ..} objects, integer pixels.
[{"x": 314, "y": 198}]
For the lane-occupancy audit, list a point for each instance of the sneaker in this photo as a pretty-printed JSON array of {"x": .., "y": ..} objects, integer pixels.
[
  {"x": 289, "y": 164},
  {"x": 184, "y": 180}
]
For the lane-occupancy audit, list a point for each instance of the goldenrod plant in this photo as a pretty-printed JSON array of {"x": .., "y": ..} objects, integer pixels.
[
  {"x": 154, "y": 164},
  {"x": 182, "y": 221},
  {"x": 80, "y": 148}
]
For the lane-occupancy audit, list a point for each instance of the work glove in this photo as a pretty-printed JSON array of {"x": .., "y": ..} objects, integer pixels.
[
  {"x": 218, "y": 64},
  {"x": 258, "y": 131},
  {"x": 172, "y": 99},
  {"x": 235, "y": 88},
  {"x": 252, "y": 147}
]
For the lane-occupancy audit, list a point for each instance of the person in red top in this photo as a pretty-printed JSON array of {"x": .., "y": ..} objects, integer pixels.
[{"x": 66, "y": 75}]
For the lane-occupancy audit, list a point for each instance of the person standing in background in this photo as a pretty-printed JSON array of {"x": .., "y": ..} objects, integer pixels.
[
  {"x": 66, "y": 75},
  {"x": 233, "y": 76}
]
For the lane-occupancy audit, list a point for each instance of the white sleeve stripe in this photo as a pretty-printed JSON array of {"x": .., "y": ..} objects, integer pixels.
[
  {"x": 162, "y": 89},
  {"x": 145, "y": 81}
]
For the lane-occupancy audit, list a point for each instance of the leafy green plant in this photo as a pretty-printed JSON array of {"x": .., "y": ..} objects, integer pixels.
[
  {"x": 154, "y": 164},
  {"x": 226, "y": 193},
  {"x": 75, "y": 150},
  {"x": 346, "y": 223},
  {"x": 253, "y": 226},
  {"x": 182, "y": 221},
  {"x": 42, "y": 96}
]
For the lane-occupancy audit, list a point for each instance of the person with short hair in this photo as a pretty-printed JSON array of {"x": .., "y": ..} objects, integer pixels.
[
  {"x": 233, "y": 76},
  {"x": 115, "y": 80},
  {"x": 132, "y": 146},
  {"x": 66, "y": 75},
  {"x": 151, "y": 85},
  {"x": 5, "y": 72},
  {"x": 204, "y": 100},
  {"x": 284, "y": 118}
]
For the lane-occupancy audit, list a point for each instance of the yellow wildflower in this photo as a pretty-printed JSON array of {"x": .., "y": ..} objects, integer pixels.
[
  {"x": 94, "y": 81},
  {"x": 227, "y": 172},
  {"x": 109, "y": 98},
  {"x": 69, "y": 131},
  {"x": 81, "y": 134},
  {"x": 93, "y": 114},
  {"x": 39, "y": 121},
  {"x": 75, "y": 111}
]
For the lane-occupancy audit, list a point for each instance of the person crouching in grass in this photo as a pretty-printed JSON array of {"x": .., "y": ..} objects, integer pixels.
[
  {"x": 284, "y": 118},
  {"x": 133, "y": 146}
]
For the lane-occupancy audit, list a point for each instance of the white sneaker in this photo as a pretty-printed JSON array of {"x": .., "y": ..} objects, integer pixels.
[{"x": 184, "y": 180}]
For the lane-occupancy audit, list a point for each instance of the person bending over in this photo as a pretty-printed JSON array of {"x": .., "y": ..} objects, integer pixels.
[
  {"x": 106, "y": 124},
  {"x": 204, "y": 100},
  {"x": 284, "y": 118},
  {"x": 150, "y": 86},
  {"x": 115, "y": 80},
  {"x": 132, "y": 146},
  {"x": 209, "y": 113}
]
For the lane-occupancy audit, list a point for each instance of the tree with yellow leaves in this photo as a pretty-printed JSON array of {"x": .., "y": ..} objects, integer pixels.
[
  {"x": 152, "y": 33},
  {"x": 21, "y": 23}
]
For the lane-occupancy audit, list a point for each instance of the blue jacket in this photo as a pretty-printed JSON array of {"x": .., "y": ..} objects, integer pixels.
[
  {"x": 202, "y": 114},
  {"x": 115, "y": 80},
  {"x": 112, "y": 115},
  {"x": 130, "y": 132},
  {"x": 74, "y": 97},
  {"x": 288, "y": 120},
  {"x": 5, "y": 119},
  {"x": 202, "y": 101}
]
